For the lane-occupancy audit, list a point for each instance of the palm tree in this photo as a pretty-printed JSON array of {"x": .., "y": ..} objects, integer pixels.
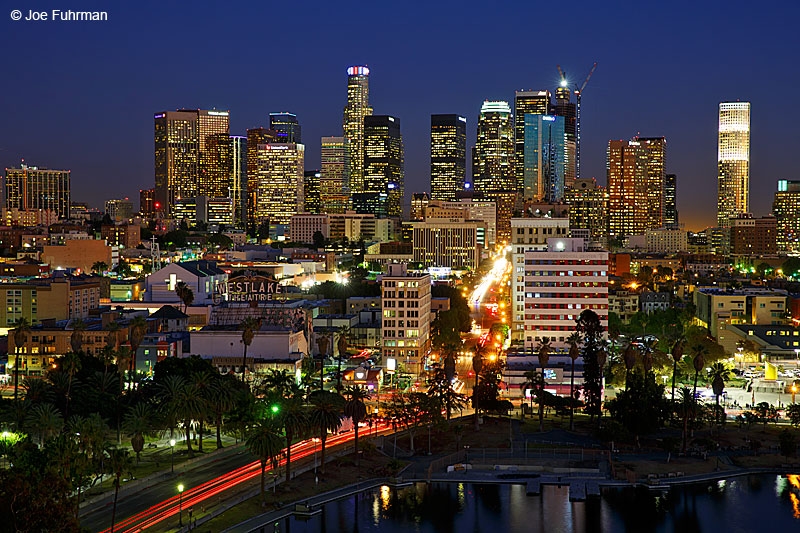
[
  {"x": 76, "y": 339},
  {"x": 221, "y": 401},
  {"x": 99, "y": 266},
  {"x": 265, "y": 442},
  {"x": 686, "y": 406},
  {"x": 294, "y": 421},
  {"x": 21, "y": 329},
  {"x": 574, "y": 352},
  {"x": 356, "y": 409},
  {"x": 70, "y": 364},
  {"x": 202, "y": 386},
  {"x": 718, "y": 374},
  {"x": 122, "y": 361},
  {"x": 441, "y": 390},
  {"x": 629, "y": 358},
  {"x": 119, "y": 462},
  {"x": 138, "y": 423},
  {"x": 137, "y": 330},
  {"x": 532, "y": 381},
  {"x": 543, "y": 353},
  {"x": 44, "y": 421},
  {"x": 699, "y": 361},
  {"x": 325, "y": 416},
  {"x": 185, "y": 293},
  {"x": 249, "y": 326},
  {"x": 677, "y": 355}
]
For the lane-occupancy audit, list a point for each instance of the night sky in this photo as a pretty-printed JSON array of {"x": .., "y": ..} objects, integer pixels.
[{"x": 81, "y": 95}]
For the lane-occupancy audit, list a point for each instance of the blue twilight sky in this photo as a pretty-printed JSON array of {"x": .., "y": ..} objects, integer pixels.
[{"x": 81, "y": 95}]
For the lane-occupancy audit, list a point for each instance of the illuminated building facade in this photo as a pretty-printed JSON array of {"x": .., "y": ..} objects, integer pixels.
[
  {"x": 119, "y": 210},
  {"x": 544, "y": 159},
  {"x": 287, "y": 126},
  {"x": 30, "y": 188},
  {"x": 355, "y": 111},
  {"x": 335, "y": 179},
  {"x": 419, "y": 201},
  {"x": 564, "y": 108},
  {"x": 786, "y": 208},
  {"x": 406, "y": 306},
  {"x": 147, "y": 203},
  {"x": 733, "y": 161},
  {"x": 186, "y": 163},
  {"x": 448, "y": 156},
  {"x": 383, "y": 187},
  {"x": 279, "y": 188},
  {"x": 526, "y": 103},
  {"x": 635, "y": 186},
  {"x": 670, "y": 200},
  {"x": 255, "y": 138},
  {"x": 239, "y": 180},
  {"x": 588, "y": 204},
  {"x": 493, "y": 162},
  {"x": 750, "y": 236},
  {"x": 450, "y": 242},
  {"x": 311, "y": 188}
]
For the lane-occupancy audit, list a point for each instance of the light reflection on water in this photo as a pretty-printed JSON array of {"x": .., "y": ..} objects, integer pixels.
[{"x": 742, "y": 504}]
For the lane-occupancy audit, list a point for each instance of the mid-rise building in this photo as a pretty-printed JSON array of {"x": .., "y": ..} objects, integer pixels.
[
  {"x": 122, "y": 235},
  {"x": 419, "y": 201},
  {"x": 355, "y": 111},
  {"x": 287, "y": 126},
  {"x": 406, "y": 305},
  {"x": 733, "y": 161},
  {"x": 205, "y": 210},
  {"x": 303, "y": 226},
  {"x": 525, "y": 103},
  {"x": 29, "y": 188},
  {"x": 448, "y": 156},
  {"x": 560, "y": 283},
  {"x": 80, "y": 254},
  {"x": 493, "y": 163},
  {"x": 717, "y": 307},
  {"x": 449, "y": 242},
  {"x": 752, "y": 236},
  {"x": 667, "y": 240},
  {"x": 528, "y": 234},
  {"x": 120, "y": 210},
  {"x": 476, "y": 209},
  {"x": 278, "y": 183},
  {"x": 544, "y": 161},
  {"x": 335, "y": 180},
  {"x": 188, "y": 161},
  {"x": 312, "y": 183},
  {"x": 588, "y": 203},
  {"x": 147, "y": 203},
  {"x": 786, "y": 208},
  {"x": 383, "y": 186}
]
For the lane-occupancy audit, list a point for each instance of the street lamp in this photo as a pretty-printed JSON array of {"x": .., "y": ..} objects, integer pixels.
[
  {"x": 794, "y": 391},
  {"x": 172, "y": 455},
  {"x": 180, "y": 504}
]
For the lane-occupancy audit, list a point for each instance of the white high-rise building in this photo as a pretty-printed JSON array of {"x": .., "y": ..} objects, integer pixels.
[
  {"x": 733, "y": 159},
  {"x": 406, "y": 305}
]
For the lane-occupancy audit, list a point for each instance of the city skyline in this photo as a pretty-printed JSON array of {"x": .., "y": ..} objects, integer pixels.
[{"x": 679, "y": 99}]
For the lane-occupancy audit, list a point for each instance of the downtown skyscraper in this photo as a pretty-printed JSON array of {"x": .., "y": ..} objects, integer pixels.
[
  {"x": 30, "y": 188},
  {"x": 525, "y": 103},
  {"x": 544, "y": 159},
  {"x": 355, "y": 111},
  {"x": 279, "y": 184},
  {"x": 448, "y": 156},
  {"x": 184, "y": 168},
  {"x": 287, "y": 126},
  {"x": 733, "y": 161},
  {"x": 335, "y": 175},
  {"x": 383, "y": 185},
  {"x": 493, "y": 162}
]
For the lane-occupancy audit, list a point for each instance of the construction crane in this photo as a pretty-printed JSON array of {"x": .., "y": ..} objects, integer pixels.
[{"x": 578, "y": 93}]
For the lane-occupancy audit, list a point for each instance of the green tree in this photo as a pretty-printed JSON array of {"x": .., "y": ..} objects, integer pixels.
[
  {"x": 264, "y": 441},
  {"x": 677, "y": 355},
  {"x": 441, "y": 390},
  {"x": 356, "y": 408},
  {"x": 99, "y": 267},
  {"x": 44, "y": 421},
  {"x": 76, "y": 338},
  {"x": 325, "y": 416},
  {"x": 70, "y": 364},
  {"x": 687, "y": 407},
  {"x": 137, "y": 330},
  {"x": 319, "y": 240},
  {"x": 793, "y": 412},
  {"x": 221, "y": 401},
  {"x": 137, "y": 424},
  {"x": 294, "y": 421},
  {"x": 119, "y": 463},
  {"x": 589, "y": 326},
  {"x": 699, "y": 353},
  {"x": 717, "y": 375},
  {"x": 641, "y": 407}
]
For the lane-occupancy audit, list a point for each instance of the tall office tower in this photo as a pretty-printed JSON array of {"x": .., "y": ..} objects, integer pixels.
[
  {"x": 239, "y": 180},
  {"x": 184, "y": 167},
  {"x": 635, "y": 192},
  {"x": 545, "y": 155},
  {"x": 670, "y": 200},
  {"x": 419, "y": 201},
  {"x": 493, "y": 162},
  {"x": 355, "y": 111},
  {"x": 278, "y": 184},
  {"x": 311, "y": 191},
  {"x": 656, "y": 148},
  {"x": 526, "y": 103},
  {"x": 448, "y": 156},
  {"x": 28, "y": 188},
  {"x": 287, "y": 126},
  {"x": 786, "y": 208},
  {"x": 147, "y": 203},
  {"x": 218, "y": 170},
  {"x": 564, "y": 108},
  {"x": 335, "y": 180},
  {"x": 587, "y": 208},
  {"x": 382, "y": 189},
  {"x": 255, "y": 138},
  {"x": 733, "y": 161}
]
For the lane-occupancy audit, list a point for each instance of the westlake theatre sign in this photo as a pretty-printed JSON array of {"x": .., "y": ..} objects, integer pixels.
[{"x": 249, "y": 289}]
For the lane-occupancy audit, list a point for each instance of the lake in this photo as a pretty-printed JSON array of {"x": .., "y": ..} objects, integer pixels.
[{"x": 741, "y": 504}]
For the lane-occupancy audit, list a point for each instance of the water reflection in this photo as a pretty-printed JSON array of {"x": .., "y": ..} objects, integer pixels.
[{"x": 736, "y": 505}]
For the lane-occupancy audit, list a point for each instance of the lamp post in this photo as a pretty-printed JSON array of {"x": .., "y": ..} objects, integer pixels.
[
  {"x": 794, "y": 391},
  {"x": 172, "y": 455},
  {"x": 180, "y": 504}
]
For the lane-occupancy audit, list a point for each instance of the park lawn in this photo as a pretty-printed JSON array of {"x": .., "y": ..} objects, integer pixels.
[{"x": 338, "y": 473}]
